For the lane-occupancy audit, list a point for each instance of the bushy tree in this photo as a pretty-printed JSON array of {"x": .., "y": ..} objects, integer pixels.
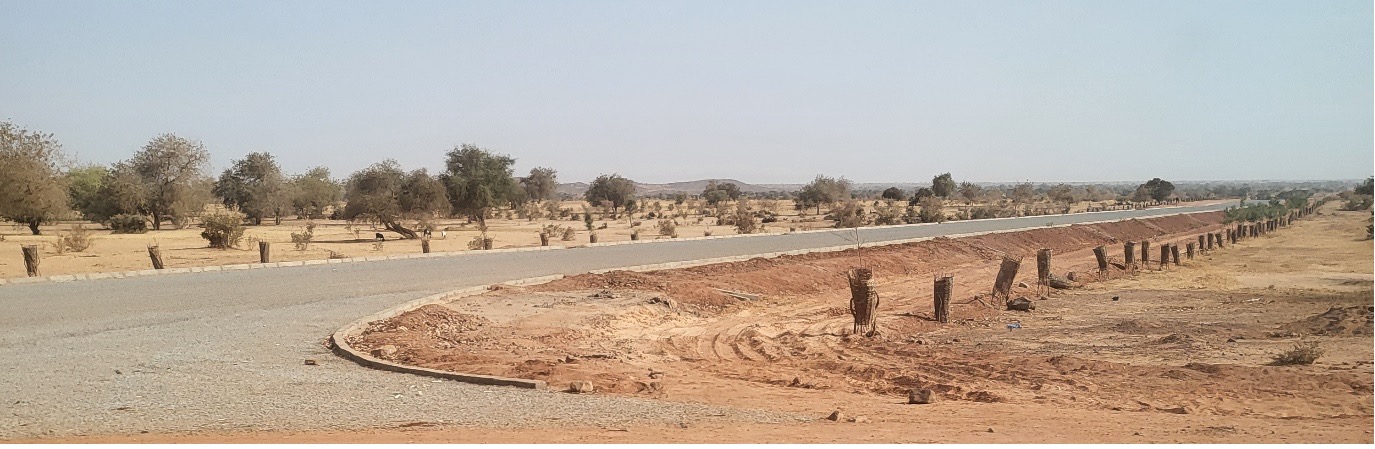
[
  {"x": 943, "y": 185},
  {"x": 823, "y": 191},
  {"x": 478, "y": 180},
  {"x": 893, "y": 193},
  {"x": 255, "y": 185},
  {"x": 1023, "y": 193},
  {"x": 541, "y": 184},
  {"x": 716, "y": 193},
  {"x": 612, "y": 189},
  {"x": 931, "y": 210},
  {"x": 313, "y": 191},
  {"x": 1367, "y": 187},
  {"x": 921, "y": 194},
  {"x": 1062, "y": 193},
  {"x": 384, "y": 194},
  {"x": 172, "y": 171},
  {"x": 32, "y": 187},
  {"x": 83, "y": 190},
  {"x": 970, "y": 192},
  {"x": 1158, "y": 189}
]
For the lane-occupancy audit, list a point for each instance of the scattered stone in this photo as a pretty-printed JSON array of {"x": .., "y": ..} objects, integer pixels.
[
  {"x": 119, "y": 372},
  {"x": 1114, "y": 298},
  {"x": 604, "y": 294},
  {"x": 581, "y": 386},
  {"x": 990, "y": 430},
  {"x": 861, "y": 419},
  {"x": 835, "y": 416},
  {"x": 1023, "y": 285},
  {"x": 922, "y": 396},
  {"x": 655, "y": 374},
  {"x": 311, "y": 362},
  {"x": 384, "y": 351},
  {"x": 1072, "y": 276},
  {"x": 570, "y": 359},
  {"x": 1231, "y": 340},
  {"x": 1021, "y": 304}
]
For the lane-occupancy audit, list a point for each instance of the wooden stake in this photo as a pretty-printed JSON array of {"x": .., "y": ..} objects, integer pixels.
[{"x": 31, "y": 259}]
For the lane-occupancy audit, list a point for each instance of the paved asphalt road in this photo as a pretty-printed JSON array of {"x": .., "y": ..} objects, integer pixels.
[{"x": 224, "y": 350}]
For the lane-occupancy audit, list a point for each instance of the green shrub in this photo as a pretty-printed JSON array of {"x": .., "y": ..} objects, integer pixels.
[
  {"x": 223, "y": 229},
  {"x": 129, "y": 224}
]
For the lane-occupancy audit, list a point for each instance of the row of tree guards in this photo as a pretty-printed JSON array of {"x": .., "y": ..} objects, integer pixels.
[
  {"x": 864, "y": 300},
  {"x": 1002, "y": 284}
]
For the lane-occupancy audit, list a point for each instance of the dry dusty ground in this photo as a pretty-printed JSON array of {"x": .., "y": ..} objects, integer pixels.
[
  {"x": 1181, "y": 355},
  {"x": 186, "y": 248}
]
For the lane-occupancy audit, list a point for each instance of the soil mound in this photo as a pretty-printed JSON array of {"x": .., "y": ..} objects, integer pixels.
[
  {"x": 433, "y": 320},
  {"x": 1356, "y": 320}
]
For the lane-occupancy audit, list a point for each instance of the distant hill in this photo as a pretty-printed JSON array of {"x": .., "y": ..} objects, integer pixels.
[{"x": 578, "y": 188}]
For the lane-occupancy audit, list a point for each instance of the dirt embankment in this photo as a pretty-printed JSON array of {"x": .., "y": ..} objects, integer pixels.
[{"x": 1200, "y": 344}]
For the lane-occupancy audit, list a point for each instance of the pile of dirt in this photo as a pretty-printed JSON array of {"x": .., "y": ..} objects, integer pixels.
[{"x": 1356, "y": 320}]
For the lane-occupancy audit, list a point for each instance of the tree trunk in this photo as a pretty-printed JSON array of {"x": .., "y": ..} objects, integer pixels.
[
  {"x": 33, "y": 227},
  {"x": 157, "y": 221},
  {"x": 397, "y": 228}
]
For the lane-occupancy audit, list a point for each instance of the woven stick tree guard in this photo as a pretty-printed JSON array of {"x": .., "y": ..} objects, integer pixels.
[
  {"x": 1102, "y": 256},
  {"x": 1164, "y": 255},
  {"x": 1190, "y": 248},
  {"x": 1200, "y": 244},
  {"x": 1145, "y": 254},
  {"x": 1043, "y": 271},
  {"x": 944, "y": 286},
  {"x": 863, "y": 300},
  {"x": 155, "y": 255},
  {"x": 1174, "y": 253},
  {"x": 31, "y": 259},
  {"x": 1218, "y": 236},
  {"x": 1128, "y": 254},
  {"x": 1007, "y": 272}
]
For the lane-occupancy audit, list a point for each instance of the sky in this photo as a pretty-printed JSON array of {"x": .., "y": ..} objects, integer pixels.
[{"x": 760, "y": 91}]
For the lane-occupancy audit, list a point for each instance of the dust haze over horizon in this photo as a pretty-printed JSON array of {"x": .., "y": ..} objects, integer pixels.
[{"x": 763, "y": 92}]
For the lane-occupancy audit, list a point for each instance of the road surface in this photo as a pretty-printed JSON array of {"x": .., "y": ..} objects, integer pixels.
[{"x": 225, "y": 350}]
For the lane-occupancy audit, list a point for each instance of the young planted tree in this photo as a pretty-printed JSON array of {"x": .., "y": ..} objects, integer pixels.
[
  {"x": 313, "y": 191},
  {"x": 612, "y": 189},
  {"x": 541, "y": 185},
  {"x": 32, "y": 187},
  {"x": 943, "y": 185},
  {"x": 172, "y": 171},
  {"x": 384, "y": 194},
  {"x": 255, "y": 185},
  {"x": 478, "y": 180}
]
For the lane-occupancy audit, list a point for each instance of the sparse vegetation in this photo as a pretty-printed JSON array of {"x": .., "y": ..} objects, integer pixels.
[
  {"x": 77, "y": 239},
  {"x": 1304, "y": 353}
]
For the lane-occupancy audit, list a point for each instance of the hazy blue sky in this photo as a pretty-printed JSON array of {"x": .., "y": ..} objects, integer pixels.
[{"x": 760, "y": 91}]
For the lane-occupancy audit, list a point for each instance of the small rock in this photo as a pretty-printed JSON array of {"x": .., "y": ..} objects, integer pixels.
[
  {"x": 581, "y": 386},
  {"x": 1231, "y": 340},
  {"x": 119, "y": 372},
  {"x": 570, "y": 359},
  {"x": 1114, "y": 298},
  {"x": 1072, "y": 276},
  {"x": 311, "y": 362},
  {"x": 922, "y": 396},
  {"x": 1023, "y": 285},
  {"x": 384, "y": 351},
  {"x": 655, "y": 374},
  {"x": 1021, "y": 304},
  {"x": 835, "y": 416},
  {"x": 990, "y": 430},
  {"x": 861, "y": 419},
  {"x": 403, "y": 329}
]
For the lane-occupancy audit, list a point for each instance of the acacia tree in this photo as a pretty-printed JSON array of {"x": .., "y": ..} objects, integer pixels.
[
  {"x": 893, "y": 193},
  {"x": 172, "y": 171},
  {"x": 313, "y": 191},
  {"x": 970, "y": 191},
  {"x": 384, "y": 194},
  {"x": 1062, "y": 193},
  {"x": 1023, "y": 193},
  {"x": 478, "y": 180},
  {"x": 32, "y": 186},
  {"x": 943, "y": 185},
  {"x": 1158, "y": 189},
  {"x": 256, "y": 186},
  {"x": 716, "y": 193},
  {"x": 541, "y": 184},
  {"x": 612, "y": 189},
  {"x": 83, "y": 189},
  {"x": 823, "y": 191}
]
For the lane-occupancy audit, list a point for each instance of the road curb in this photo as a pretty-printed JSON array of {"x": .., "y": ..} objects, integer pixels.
[{"x": 339, "y": 339}]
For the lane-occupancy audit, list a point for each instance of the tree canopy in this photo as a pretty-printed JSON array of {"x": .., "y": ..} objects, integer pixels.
[
  {"x": 32, "y": 186},
  {"x": 612, "y": 189},
  {"x": 385, "y": 194},
  {"x": 1158, "y": 189},
  {"x": 172, "y": 171},
  {"x": 313, "y": 191},
  {"x": 943, "y": 185},
  {"x": 541, "y": 184},
  {"x": 478, "y": 180},
  {"x": 823, "y": 191},
  {"x": 256, "y": 186}
]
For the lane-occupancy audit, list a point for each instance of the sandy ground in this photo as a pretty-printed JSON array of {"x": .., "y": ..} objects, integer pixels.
[
  {"x": 186, "y": 248},
  {"x": 1179, "y": 355}
]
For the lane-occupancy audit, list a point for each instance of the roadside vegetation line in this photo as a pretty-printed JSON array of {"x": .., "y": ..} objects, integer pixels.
[
  {"x": 340, "y": 345},
  {"x": 253, "y": 266}
]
